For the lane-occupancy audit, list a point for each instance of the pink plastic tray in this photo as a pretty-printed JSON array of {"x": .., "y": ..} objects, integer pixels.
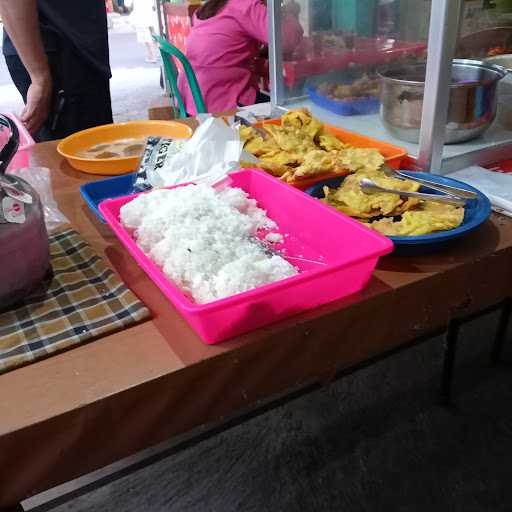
[
  {"x": 335, "y": 255},
  {"x": 21, "y": 158}
]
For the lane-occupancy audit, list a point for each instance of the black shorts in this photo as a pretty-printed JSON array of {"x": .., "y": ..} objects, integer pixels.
[{"x": 81, "y": 94}]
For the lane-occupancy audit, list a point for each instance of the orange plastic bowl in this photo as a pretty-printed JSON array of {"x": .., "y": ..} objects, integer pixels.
[{"x": 81, "y": 141}]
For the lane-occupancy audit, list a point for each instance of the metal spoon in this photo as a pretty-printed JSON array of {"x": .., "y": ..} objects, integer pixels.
[
  {"x": 445, "y": 189},
  {"x": 370, "y": 187}
]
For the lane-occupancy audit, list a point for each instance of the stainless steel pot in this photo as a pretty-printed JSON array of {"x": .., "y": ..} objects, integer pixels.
[
  {"x": 24, "y": 248},
  {"x": 501, "y": 60},
  {"x": 472, "y": 106}
]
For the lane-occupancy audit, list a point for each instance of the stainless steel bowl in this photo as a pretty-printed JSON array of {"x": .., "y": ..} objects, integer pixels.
[
  {"x": 504, "y": 60},
  {"x": 472, "y": 106}
]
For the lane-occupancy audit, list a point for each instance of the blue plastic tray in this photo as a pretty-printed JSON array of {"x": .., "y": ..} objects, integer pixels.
[
  {"x": 477, "y": 211},
  {"x": 95, "y": 192},
  {"x": 341, "y": 107}
]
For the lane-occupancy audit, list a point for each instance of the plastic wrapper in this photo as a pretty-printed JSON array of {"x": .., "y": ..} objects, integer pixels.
[
  {"x": 156, "y": 154},
  {"x": 39, "y": 178},
  {"x": 213, "y": 151}
]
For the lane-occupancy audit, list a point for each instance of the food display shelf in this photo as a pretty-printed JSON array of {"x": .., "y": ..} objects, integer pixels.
[{"x": 365, "y": 52}]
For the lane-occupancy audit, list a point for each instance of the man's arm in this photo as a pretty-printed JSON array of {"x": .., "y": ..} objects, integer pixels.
[{"x": 21, "y": 21}]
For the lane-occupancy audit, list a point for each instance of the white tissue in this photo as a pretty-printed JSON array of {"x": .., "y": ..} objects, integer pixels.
[{"x": 495, "y": 185}]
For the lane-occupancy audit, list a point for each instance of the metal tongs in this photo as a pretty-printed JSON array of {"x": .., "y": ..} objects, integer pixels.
[
  {"x": 370, "y": 187},
  {"x": 245, "y": 122},
  {"x": 444, "y": 189}
]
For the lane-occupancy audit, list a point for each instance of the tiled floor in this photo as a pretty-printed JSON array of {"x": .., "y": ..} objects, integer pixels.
[{"x": 376, "y": 441}]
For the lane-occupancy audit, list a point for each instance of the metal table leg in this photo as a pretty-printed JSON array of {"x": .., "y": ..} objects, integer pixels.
[
  {"x": 16, "y": 508},
  {"x": 450, "y": 352},
  {"x": 452, "y": 338},
  {"x": 501, "y": 332}
]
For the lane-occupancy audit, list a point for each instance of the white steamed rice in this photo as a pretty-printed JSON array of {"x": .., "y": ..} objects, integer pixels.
[{"x": 204, "y": 240}]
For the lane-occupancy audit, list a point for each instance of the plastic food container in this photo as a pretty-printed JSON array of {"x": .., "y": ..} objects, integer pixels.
[
  {"x": 355, "y": 107},
  {"x": 393, "y": 155},
  {"x": 476, "y": 212},
  {"x": 95, "y": 192},
  {"x": 335, "y": 255},
  {"x": 365, "y": 52},
  {"x": 297, "y": 70},
  {"x": 71, "y": 146},
  {"x": 22, "y": 156},
  {"x": 372, "y": 52}
]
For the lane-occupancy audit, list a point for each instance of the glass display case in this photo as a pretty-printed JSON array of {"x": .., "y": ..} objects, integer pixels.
[
  {"x": 485, "y": 35},
  {"x": 368, "y": 65}
]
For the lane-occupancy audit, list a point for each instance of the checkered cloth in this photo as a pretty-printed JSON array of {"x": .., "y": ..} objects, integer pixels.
[{"x": 83, "y": 300}]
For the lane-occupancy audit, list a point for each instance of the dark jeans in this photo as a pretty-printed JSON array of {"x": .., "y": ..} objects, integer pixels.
[{"x": 81, "y": 95}]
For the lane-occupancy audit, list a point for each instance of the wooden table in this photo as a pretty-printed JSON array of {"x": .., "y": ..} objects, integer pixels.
[{"x": 80, "y": 410}]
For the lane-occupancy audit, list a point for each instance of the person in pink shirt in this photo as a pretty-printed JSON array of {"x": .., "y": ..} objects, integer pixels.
[{"x": 225, "y": 40}]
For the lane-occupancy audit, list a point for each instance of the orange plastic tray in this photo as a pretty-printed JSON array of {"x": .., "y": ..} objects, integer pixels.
[{"x": 393, "y": 155}]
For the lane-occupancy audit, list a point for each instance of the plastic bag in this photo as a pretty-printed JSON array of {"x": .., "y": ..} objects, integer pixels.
[
  {"x": 39, "y": 178},
  {"x": 156, "y": 153},
  {"x": 213, "y": 150}
]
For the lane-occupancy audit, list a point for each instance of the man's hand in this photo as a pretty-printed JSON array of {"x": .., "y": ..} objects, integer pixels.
[
  {"x": 21, "y": 21},
  {"x": 37, "y": 109}
]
